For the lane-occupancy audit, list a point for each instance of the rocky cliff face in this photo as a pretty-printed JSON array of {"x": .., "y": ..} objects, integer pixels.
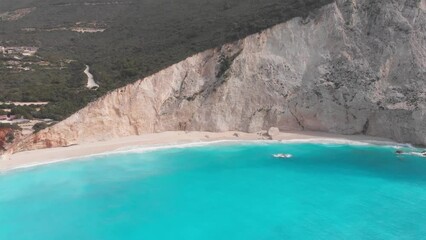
[
  {"x": 351, "y": 67},
  {"x": 8, "y": 135},
  {"x": 4, "y": 135}
]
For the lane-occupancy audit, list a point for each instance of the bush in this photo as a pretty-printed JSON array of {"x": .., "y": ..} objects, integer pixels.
[
  {"x": 10, "y": 137},
  {"x": 11, "y": 126},
  {"x": 39, "y": 126},
  {"x": 24, "y": 111}
]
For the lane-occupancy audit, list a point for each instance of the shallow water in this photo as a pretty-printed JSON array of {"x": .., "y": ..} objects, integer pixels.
[{"x": 237, "y": 191}]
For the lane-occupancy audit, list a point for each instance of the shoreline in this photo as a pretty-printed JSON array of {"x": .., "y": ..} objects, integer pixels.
[{"x": 168, "y": 139}]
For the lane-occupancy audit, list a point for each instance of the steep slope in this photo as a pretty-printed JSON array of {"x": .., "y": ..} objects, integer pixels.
[
  {"x": 121, "y": 40},
  {"x": 5, "y": 135},
  {"x": 352, "y": 67}
]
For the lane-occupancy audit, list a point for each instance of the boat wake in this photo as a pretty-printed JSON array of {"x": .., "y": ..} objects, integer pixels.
[{"x": 282, "y": 155}]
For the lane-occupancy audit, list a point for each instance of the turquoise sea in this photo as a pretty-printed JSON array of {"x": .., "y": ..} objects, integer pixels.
[{"x": 229, "y": 190}]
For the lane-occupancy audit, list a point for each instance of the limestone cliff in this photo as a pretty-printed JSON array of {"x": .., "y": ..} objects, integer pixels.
[{"x": 351, "y": 67}]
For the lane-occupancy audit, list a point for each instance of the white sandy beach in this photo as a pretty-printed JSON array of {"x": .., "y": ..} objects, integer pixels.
[{"x": 45, "y": 156}]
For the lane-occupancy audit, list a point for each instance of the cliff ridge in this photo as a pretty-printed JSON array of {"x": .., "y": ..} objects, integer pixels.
[{"x": 351, "y": 67}]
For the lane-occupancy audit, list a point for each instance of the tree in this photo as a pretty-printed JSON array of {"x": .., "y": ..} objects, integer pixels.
[
  {"x": 39, "y": 126},
  {"x": 10, "y": 137}
]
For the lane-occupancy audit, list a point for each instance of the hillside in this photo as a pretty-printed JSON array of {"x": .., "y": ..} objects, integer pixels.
[
  {"x": 121, "y": 41},
  {"x": 349, "y": 68}
]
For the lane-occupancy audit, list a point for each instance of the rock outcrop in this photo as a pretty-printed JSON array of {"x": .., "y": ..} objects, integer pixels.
[
  {"x": 5, "y": 134},
  {"x": 8, "y": 135},
  {"x": 273, "y": 132},
  {"x": 351, "y": 67}
]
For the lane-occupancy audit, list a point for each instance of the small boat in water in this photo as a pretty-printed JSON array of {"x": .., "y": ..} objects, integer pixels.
[{"x": 282, "y": 155}]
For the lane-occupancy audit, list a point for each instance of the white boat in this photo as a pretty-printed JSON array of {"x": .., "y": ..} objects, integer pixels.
[{"x": 282, "y": 155}]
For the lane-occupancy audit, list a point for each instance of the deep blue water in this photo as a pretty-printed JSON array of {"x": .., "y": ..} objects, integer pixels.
[{"x": 225, "y": 191}]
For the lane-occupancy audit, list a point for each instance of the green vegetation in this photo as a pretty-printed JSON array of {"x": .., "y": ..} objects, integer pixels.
[
  {"x": 225, "y": 63},
  {"x": 141, "y": 38},
  {"x": 9, "y": 126},
  {"x": 23, "y": 111},
  {"x": 28, "y": 112},
  {"x": 10, "y": 137},
  {"x": 40, "y": 126}
]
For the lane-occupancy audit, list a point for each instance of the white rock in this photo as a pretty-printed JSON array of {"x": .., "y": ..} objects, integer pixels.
[
  {"x": 273, "y": 132},
  {"x": 349, "y": 70}
]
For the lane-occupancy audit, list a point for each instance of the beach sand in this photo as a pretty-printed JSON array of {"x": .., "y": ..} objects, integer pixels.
[{"x": 45, "y": 156}]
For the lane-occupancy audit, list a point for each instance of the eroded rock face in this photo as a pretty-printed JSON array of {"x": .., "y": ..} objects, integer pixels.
[
  {"x": 352, "y": 67},
  {"x": 4, "y": 133}
]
